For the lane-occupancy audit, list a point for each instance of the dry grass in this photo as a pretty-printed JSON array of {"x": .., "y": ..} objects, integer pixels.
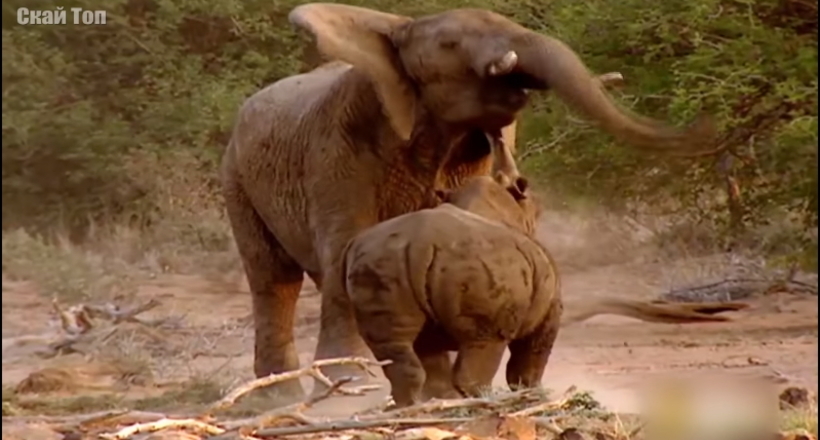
[
  {"x": 189, "y": 396},
  {"x": 178, "y": 227},
  {"x": 804, "y": 418}
]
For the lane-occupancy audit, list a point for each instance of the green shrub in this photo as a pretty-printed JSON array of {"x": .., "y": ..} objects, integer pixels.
[{"x": 164, "y": 77}]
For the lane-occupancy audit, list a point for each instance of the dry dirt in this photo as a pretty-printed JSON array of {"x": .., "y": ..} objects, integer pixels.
[{"x": 610, "y": 356}]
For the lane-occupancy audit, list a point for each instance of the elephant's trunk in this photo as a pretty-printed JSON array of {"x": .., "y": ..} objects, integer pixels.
[{"x": 554, "y": 65}]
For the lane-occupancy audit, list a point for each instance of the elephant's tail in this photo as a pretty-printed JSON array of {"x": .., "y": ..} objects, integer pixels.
[{"x": 662, "y": 312}]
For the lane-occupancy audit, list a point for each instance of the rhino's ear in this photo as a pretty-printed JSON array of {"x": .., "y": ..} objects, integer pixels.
[
  {"x": 521, "y": 187},
  {"x": 443, "y": 195},
  {"x": 363, "y": 38},
  {"x": 517, "y": 187}
]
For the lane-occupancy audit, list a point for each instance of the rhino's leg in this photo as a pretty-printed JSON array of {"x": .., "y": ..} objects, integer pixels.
[
  {"x": 476, "y": 364},
  {"x": 275, "y": 280},
  {"x": 390, "y": 333},
  {"x": 529, "y": 355},
  {"x": 432, "y": 346},
  {"x": 439, "y": 376},
  {"x": 406, "y": 373}
]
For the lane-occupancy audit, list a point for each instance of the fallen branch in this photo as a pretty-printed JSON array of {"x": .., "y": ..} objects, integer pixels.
[
  {"x": 159, "y": 425},
  {"x": 448, "y": 404},
  {"x": 114, "y": 417},
  {"x": 65, "y": 344},
  {"x": 74, "y": 321},
  {"x": 97, "y": 335},
  {"x": 344, "y": 425},
  {"x": 77, "y": 323},
  {"x": 313, "y": 370},
  {"x": 547, "y": 406},
  {"x": 116, "y": 314},
  {"x": 293, "y": 412},
  {"x": 735, "y": 289},
  {"x": 705, "y": 307}
]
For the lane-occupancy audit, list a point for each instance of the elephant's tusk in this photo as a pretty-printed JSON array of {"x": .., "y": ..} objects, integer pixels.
[{"x": 505, "y": 65}]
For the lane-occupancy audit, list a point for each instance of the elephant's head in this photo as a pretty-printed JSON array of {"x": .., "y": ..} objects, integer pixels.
[{"x": 473, "y": 68}]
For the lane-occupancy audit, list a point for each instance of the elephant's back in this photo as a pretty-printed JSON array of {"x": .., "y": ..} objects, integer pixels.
[
  {"x": 285, "y": 102},
  {"x": 298, "y": 92},
  {"x": 267, "y": 150}
]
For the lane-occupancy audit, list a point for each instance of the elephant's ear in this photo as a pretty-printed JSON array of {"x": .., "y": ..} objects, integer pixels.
[{"x": 362, "y": 37}]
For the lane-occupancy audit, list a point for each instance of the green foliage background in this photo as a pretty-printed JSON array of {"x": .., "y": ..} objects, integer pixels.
[{"x": 100, "y": 121}]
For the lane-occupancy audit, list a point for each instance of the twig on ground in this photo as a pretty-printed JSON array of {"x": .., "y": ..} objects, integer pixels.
[
  {"x": 66, "y": 343},
  {"x": 293, "y": 412},
  {"x": 74, "y": 321},
  {"x": 119, "y": 417},
  {"x": 736, "y": 288},
  {"x": 116, "y": 314},
  {"x": 115, "y": 419},
  {"x": 708, "y": 308},
  {"x": 159, "y": 425},
  {"x": 77, "y": 323},
  {"x": 447, "y": 404},
  {"x": 312, "y": 370},
  {"x": 547, "y": 406},
  {"x": 550, "y": 424},
  {"x": 347, "y": 424},
  {"x": 429, "y": 433}
]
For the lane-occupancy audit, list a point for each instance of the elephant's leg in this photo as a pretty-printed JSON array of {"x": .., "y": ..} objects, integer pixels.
[
  {"x": 275, "y": 281},
  {"x": 476, "y": 364},
  {"x": 529, "y": 355},
  {"x": 338, "y": 331}
]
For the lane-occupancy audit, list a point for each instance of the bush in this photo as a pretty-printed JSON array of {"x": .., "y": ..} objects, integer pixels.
[{"x": 163, "y": 79}]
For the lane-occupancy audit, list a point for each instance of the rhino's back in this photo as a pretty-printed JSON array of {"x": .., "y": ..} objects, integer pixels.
[
  {"x": 443, "y": 227},
  {"x": 454, "y": 263},
  {"x": 491, "y": 276}
]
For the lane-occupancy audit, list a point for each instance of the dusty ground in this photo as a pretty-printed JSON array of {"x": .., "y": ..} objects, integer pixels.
[
  {"x": 609, "y": 356},
  {"x": 612, "y": 357}
]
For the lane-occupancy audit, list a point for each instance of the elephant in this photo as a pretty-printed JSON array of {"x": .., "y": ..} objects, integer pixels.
[
  {"x": 405, "y": 106},
  {"x": 469, "y": 276}
]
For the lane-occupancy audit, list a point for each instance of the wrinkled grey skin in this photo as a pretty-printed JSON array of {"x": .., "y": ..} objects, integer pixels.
[
  {"x": 469, "y": 276},
  {"x": 408, "y": 107},
  {"x": 465, "y": 276}
]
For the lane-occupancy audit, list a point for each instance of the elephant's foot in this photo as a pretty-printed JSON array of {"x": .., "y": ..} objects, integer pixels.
[
  {"x": 275, "y": 353},
  {"x": 280, "y": 393},
  {"x": 339, "y": 338},
  {"x": 274, "y": 396},
  {"x": 337, "y": 372}
]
